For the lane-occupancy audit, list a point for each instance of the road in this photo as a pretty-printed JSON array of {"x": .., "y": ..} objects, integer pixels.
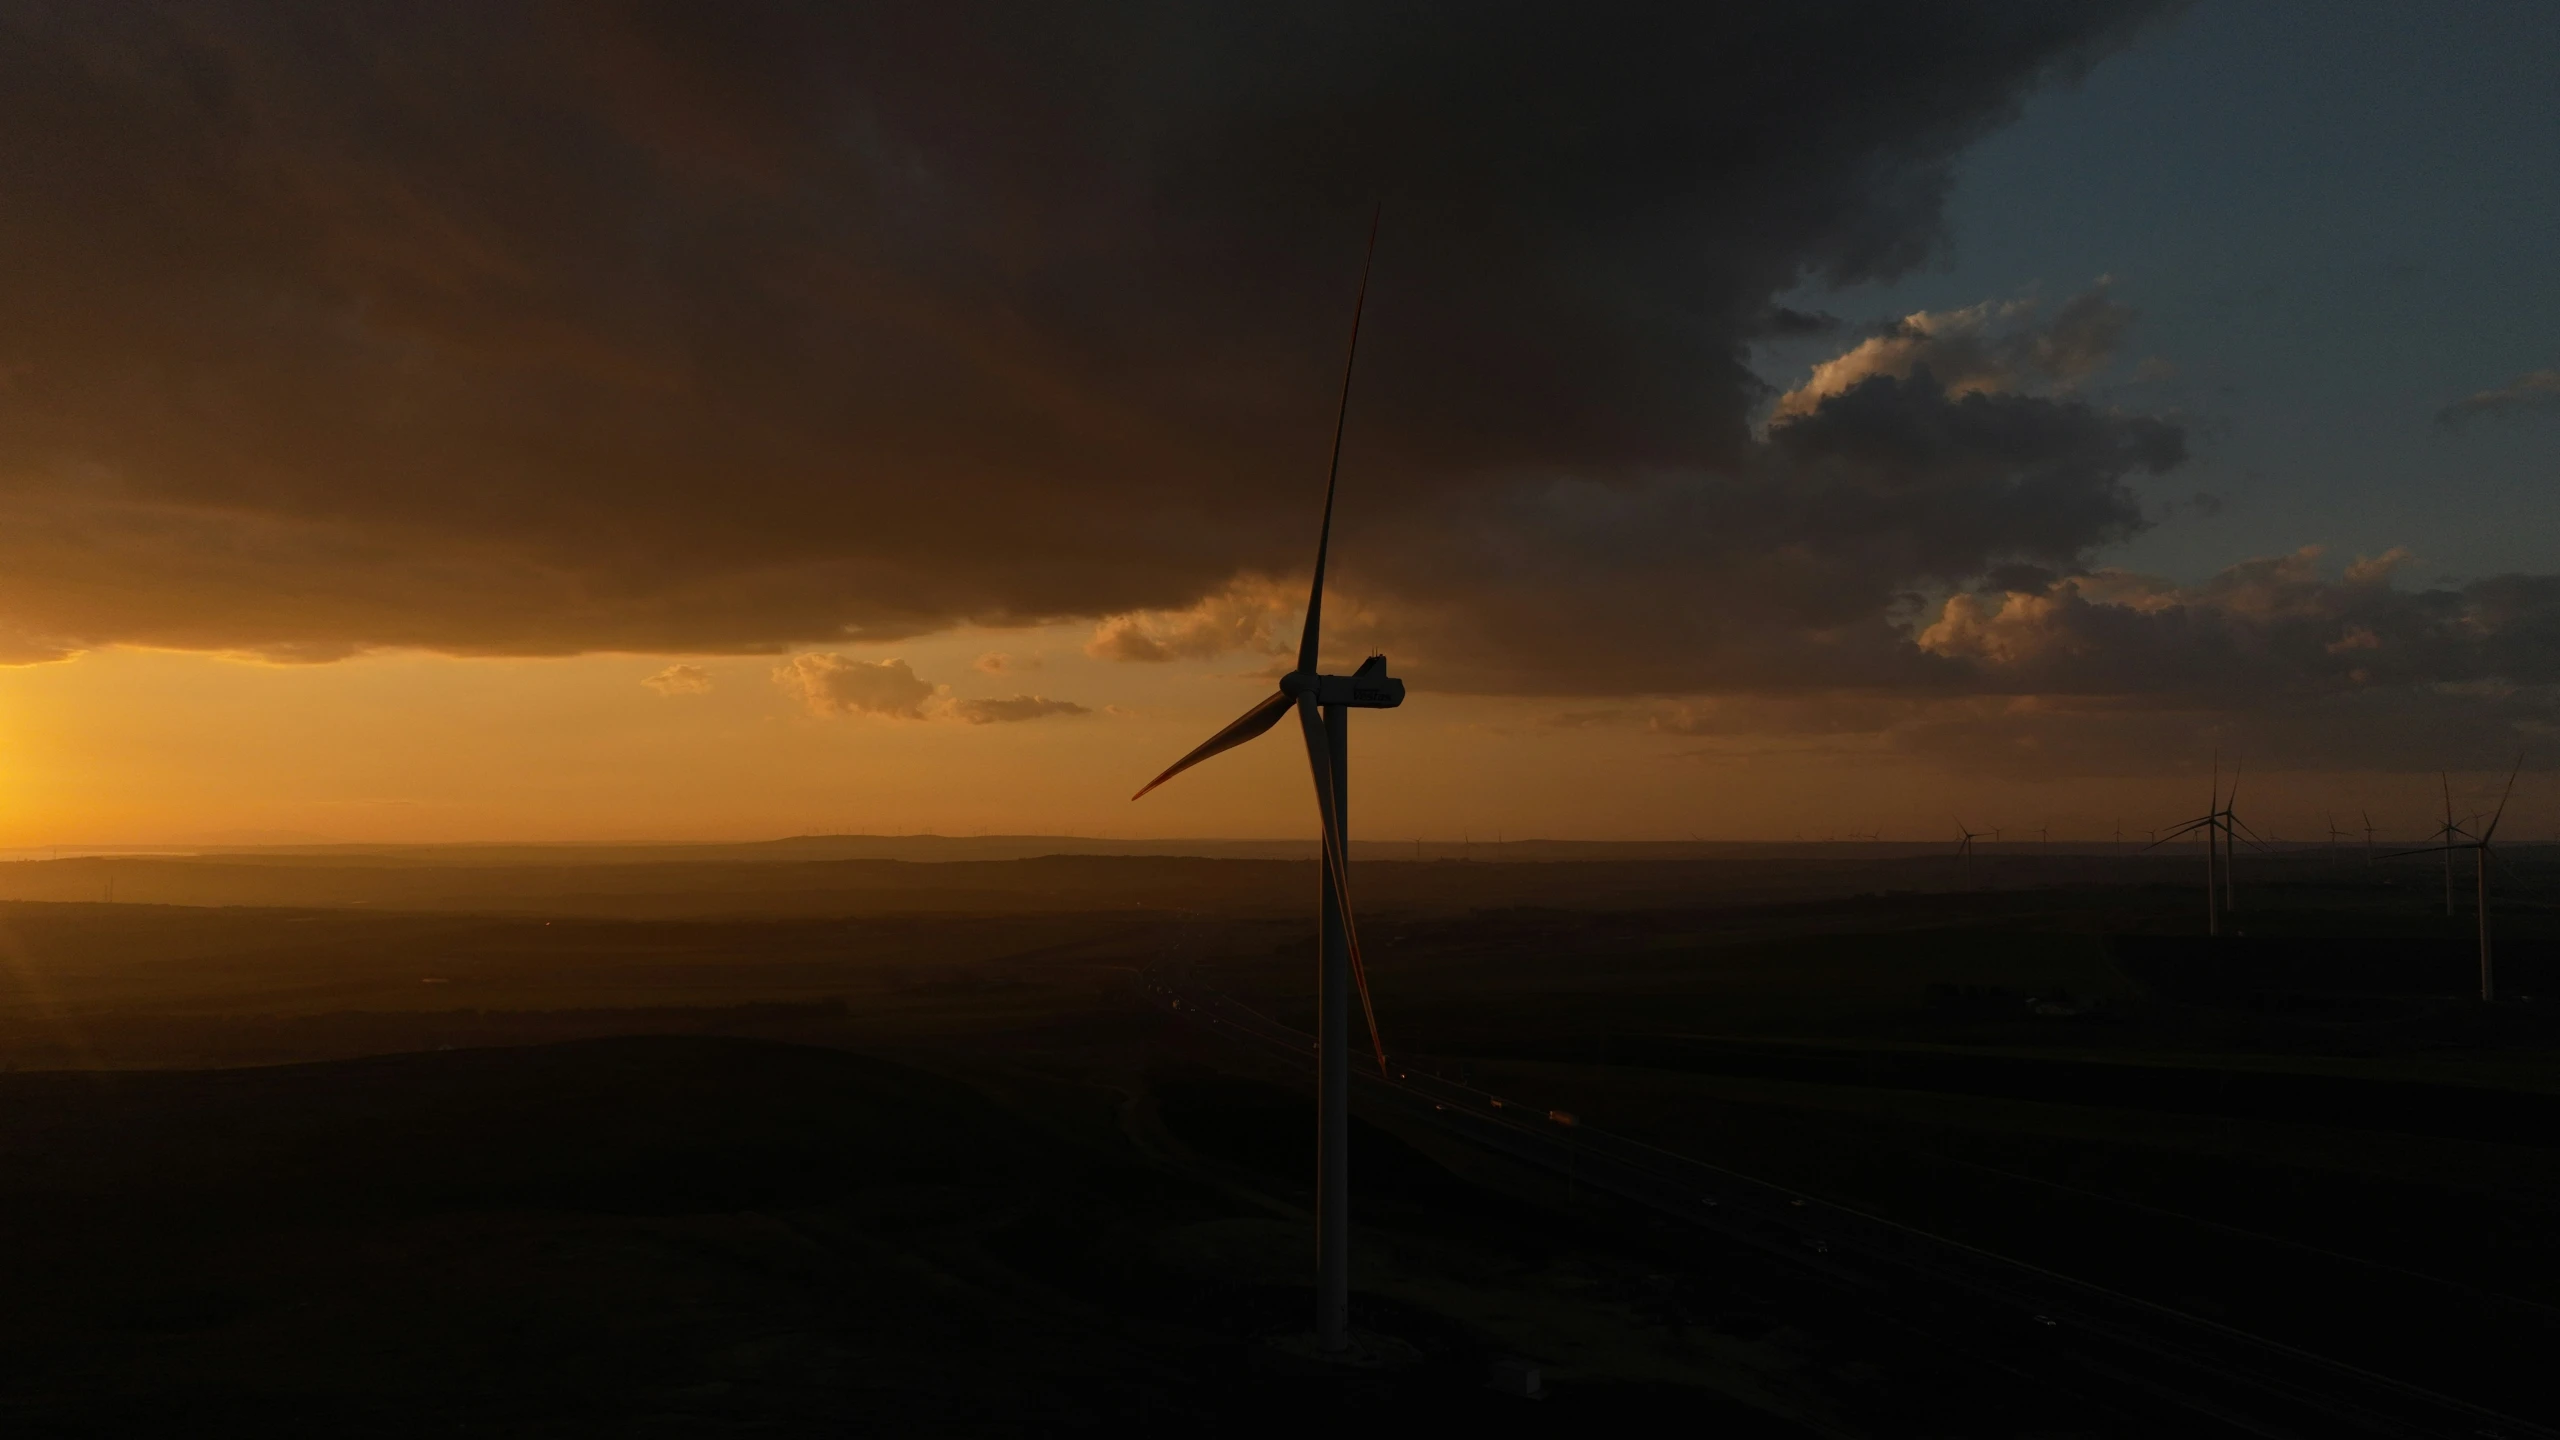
[{"x": 2087, "y": 1337}]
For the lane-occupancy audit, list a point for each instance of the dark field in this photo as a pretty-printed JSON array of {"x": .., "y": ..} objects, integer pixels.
[{"x": 783, "y": 1143}]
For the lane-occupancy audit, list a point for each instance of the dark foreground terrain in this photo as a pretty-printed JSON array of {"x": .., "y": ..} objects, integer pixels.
[{"x": 898, "y": 1170}]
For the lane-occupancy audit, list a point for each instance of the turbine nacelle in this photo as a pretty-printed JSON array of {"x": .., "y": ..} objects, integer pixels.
[{"x": 1368, "y": 688}]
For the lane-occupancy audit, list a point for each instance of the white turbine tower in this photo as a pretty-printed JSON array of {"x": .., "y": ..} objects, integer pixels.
[{"x": 1324, "y": 704}]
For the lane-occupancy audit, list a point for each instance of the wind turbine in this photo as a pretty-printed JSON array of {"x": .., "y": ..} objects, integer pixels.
[
  {"x": 2451, "y": 835},
  {"x": 2209, "y": 822},
  {"x": 2479, "y": 847},
  {"x": 2219, "y": 823},
  {"x": 2334, "y": 834},
  {"x": 1324, "y": 704},
  {"x": 1964, "y": 841},
  {"x": 2368, "y": 835},
  {"x": 2234, "y": 829}
]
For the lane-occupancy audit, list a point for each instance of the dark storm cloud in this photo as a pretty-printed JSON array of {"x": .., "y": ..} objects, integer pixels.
[
  {"x": 546, "y": 327},
  {"x": 1780, "y": 321},
  {"x": 2041, "y": 675},
  {"x": 1792, "y": 569},
  {"x": 2400, "y": 730}
]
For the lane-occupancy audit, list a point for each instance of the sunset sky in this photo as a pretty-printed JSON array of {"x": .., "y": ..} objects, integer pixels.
[{"x": 568, "y": 421}]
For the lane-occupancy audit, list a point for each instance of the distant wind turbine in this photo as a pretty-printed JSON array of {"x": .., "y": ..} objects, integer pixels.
[
  {"x": 2479, "y": 847},
  {"x": 2234, "y": 830},
  {"x": 1324, "y": 704},
  {"x": 1964, "y": 841},
  {"x": 2220, "y": 824},
  {"x": 2449, "y": 837},
  {"x": 2210, "y": 822}
]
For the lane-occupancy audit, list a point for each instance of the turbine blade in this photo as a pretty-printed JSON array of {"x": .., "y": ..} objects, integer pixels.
[
  {"x": 1320, "y": 766},
  {"x": 2234, "y": 797},
  {"x": 2423, "y": 850},
  {"x": 1333, "y": 473},
  {"x": 2189, "y": 828},
  {"x": 2501, "y": 812},
  {"x": 1247, "y": 726},
  {"x": 2511, "y": 873}
]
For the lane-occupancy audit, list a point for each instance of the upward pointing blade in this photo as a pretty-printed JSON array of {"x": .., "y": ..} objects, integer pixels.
[
  {"x": 1246, "y": 727},
  {"x": 1333, "y": 473},
  {"x": 2502, "y": 803}
]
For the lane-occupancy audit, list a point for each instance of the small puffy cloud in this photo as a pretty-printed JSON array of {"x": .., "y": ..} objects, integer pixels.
[
  {"x": 2376, "y": 569},
  {"x": 2017, "y": 628},
  {"x": 1012, "y": 708},
  {"x": 997, "y": 662},
  {"x": 1251, "y": 613},
  {"x": 1990, "y": 347},
  {"x": 680, "y": 680},
  {"x": 836, "y": 685},
  {"x": 2536, "y": 391}
]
